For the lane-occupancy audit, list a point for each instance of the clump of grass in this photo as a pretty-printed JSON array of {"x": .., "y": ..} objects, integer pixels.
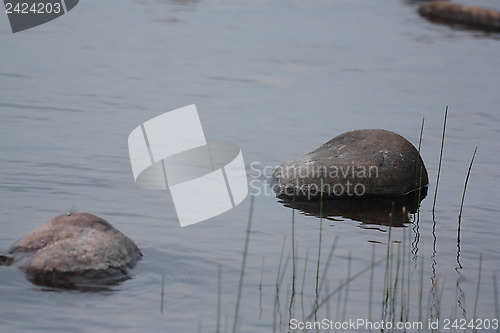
[
  {"x": 397, "y": 298},
  {"x": 326, "y": 298}
]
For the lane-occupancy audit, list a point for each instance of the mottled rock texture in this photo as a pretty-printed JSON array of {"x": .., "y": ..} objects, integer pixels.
[
  {"x": 362, "y": 163},
  {"x": 73, "y": 250}
]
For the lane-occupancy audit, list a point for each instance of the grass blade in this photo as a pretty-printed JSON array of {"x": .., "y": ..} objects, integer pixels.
[
  {"x": 243, "y": 264},
  {"x": 440, "y": 161}
]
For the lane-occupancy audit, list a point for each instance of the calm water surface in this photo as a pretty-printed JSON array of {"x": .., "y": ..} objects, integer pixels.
[{"x": 278, "y": 79}]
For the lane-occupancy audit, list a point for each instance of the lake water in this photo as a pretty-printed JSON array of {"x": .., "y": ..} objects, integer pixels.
[{"x": 278, "y": 79}]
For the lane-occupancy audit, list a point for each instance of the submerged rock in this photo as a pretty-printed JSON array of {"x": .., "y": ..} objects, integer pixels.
[
  {"x": 75, "y": 250},
  {"x": 453, "y": 13},
  {"x": 360, "y": 163}
]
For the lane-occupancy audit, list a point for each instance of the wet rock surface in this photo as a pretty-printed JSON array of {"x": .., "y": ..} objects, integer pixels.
[
  {"x": 361, "y": 163},
  {"x": 75, "y": 250}
]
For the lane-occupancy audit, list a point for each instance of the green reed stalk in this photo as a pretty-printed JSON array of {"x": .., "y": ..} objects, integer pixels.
[
  {"x": 260, "y": 287},
  {"x": 294, "y": 260},
  {"x": 465, "y": 185},
  {"x": 370, "y": 295},
  {"x": 477, "y": 291},
  {"x": 243, "y": 264},
  {"x": 439, "y": 300},
  {"x": 440, "y": 161},
  {"x": 403, "y": 273},
  {"x": 219, "y": 296},
  {"x": 395, "y": 287},
  {"x": 495, "y": 294},
  {"x": 454, "y": 310},
  {"x": 278, "y": 284},
  {"x": 328, "y": 312},
  {"x": 162, "y": 294},
  {"x": 338, "y": 305},
  {"x": 327, "y": 264},
  {"x": 388, "y": 268},
  {"x": 421, "y": 290},
  {"x": 319, "y": 244},
  {"x": 418, "y": 183},
  {"x": 403, "y": 284},
  {"x": 303, "y": 283},
  {"x": 346, "y": 296},
  {"x": 407, "y": 313}
]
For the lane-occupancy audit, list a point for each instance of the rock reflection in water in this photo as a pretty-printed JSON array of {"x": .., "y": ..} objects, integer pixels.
[{"x": 375, "y": 210}]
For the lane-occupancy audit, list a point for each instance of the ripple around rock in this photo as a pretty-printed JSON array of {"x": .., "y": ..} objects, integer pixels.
[
  {"x": 74, "y": 251},
  {"x": 361, "y": 163},
  {"x": 389, "y": 211}
]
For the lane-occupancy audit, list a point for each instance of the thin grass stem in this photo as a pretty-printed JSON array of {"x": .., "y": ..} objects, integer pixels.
[
  {"x": 440, "y": 161},
  {"x": 346, "y": 296},
  {"x": 407, "y": 314},
  {"x": 294, "y": 260},
  {"x": 495, "y": 294},
  {"x": 421, "y": 290},
  {"x": 327, "y": 265},
  {"x": 370, "y": 294},
  {"x": 418, "y": 182},
  {"x": 219, "y": 297},
  {"x": 477, "y": 291},
  {"x": 465, "y": 185},
  {"x": 319, "y": 247},
  {"x": 260, "y": 287},
  {"x": 339, "y": 288},
  {"x": 243, "y": 264},
  {"x": 278, "y": 278},
  {"x": 162, "y": 295},
  {"x": 388, "y": 269}
]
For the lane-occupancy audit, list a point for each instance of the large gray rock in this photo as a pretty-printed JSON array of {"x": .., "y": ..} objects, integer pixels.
[
  {"x": 75, "y": 250},
  {"x": 359, "y": 163}
]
